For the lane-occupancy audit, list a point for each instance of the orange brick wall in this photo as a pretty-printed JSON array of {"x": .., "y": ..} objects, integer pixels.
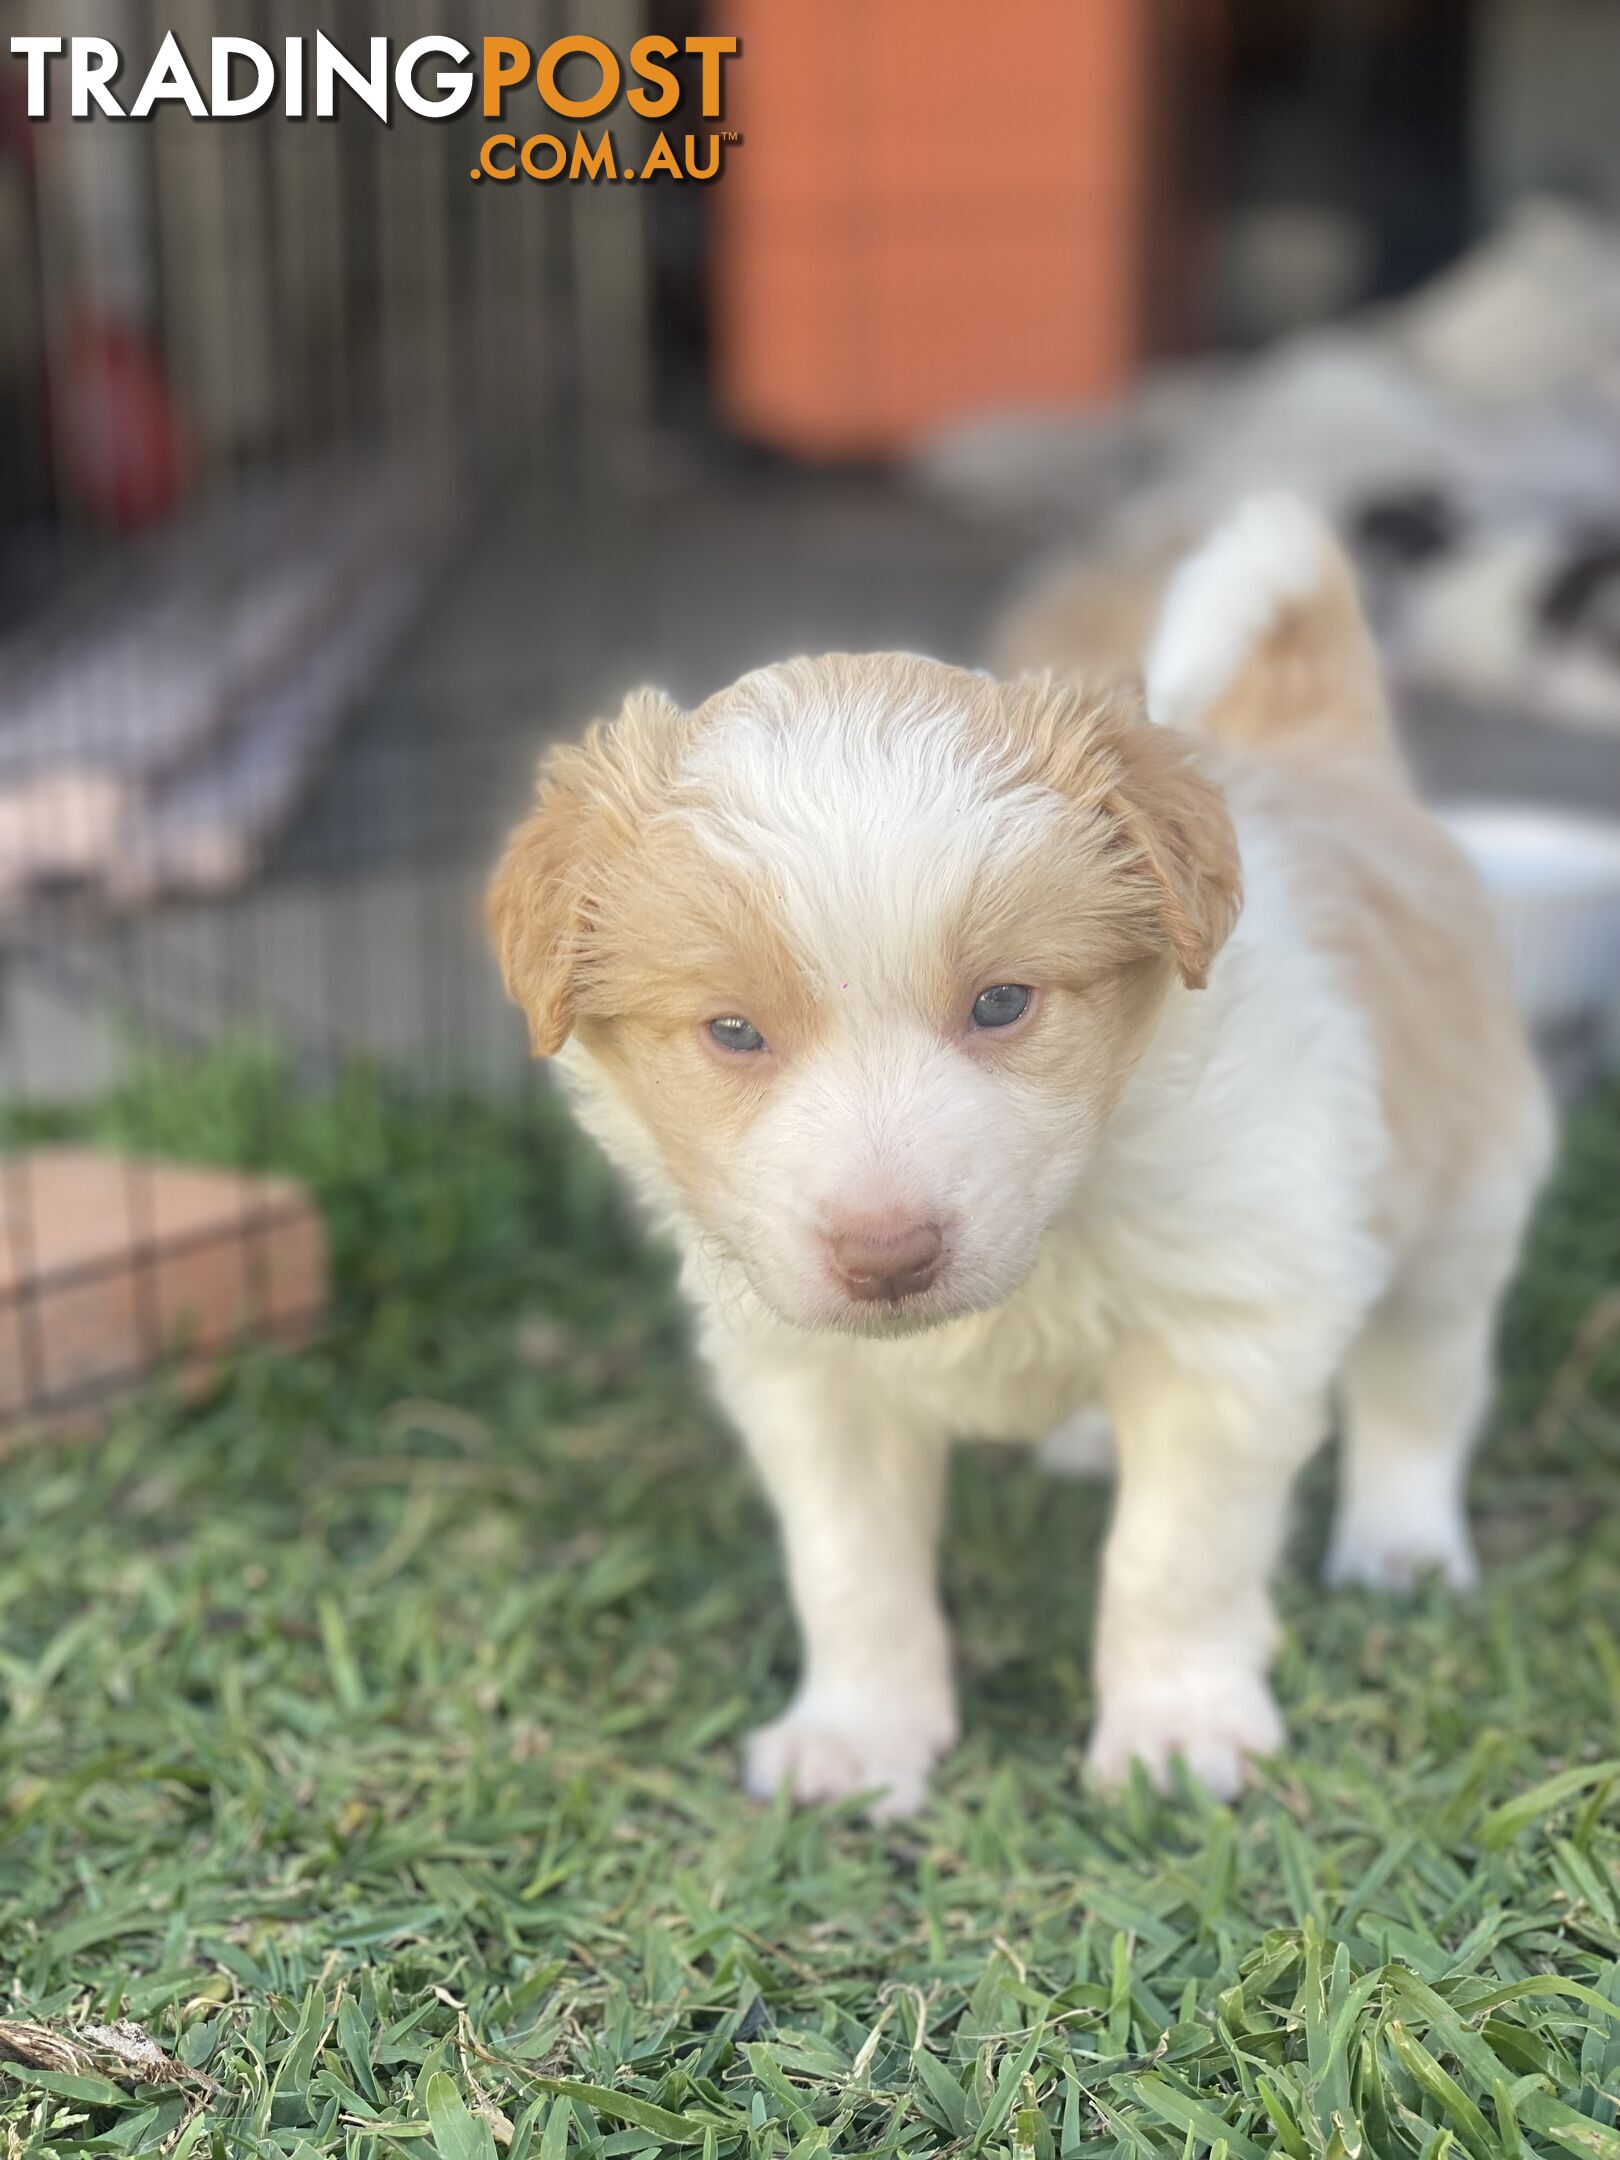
[{"x": 937, "y": 206}]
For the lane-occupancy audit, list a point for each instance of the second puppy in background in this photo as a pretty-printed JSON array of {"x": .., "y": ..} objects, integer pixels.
[{"x": 994, "y": 1053}]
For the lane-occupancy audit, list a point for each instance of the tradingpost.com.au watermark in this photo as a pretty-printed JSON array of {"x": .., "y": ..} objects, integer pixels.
[{"x": 575, "y": 79}]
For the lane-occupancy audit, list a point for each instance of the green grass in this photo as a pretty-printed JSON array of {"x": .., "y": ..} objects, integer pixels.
[{"x": 368, "y": 1738}]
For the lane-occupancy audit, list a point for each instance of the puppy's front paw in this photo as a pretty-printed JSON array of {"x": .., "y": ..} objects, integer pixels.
[
  {"x": 829, "y": 1747},
  {"x": 1214, "y": 1721}
]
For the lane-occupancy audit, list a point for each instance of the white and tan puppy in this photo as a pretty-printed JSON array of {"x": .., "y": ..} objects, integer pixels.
[{"x": 995, "y": 1055}]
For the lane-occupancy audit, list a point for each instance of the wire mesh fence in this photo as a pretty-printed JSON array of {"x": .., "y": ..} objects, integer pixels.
[{"x": 274, "y": 398}]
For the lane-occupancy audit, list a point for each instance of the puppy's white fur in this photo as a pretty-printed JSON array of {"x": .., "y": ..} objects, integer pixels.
[
  {"x": 1271, "y": 1199},
  {"x": 1225, "y": 600}
]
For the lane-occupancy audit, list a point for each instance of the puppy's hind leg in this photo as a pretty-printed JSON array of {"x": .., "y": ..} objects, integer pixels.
[{"x": 1415, "y": 1387}]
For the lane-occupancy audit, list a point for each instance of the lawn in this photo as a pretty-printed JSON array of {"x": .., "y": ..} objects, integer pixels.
[{"x": 368, "y": 1742}]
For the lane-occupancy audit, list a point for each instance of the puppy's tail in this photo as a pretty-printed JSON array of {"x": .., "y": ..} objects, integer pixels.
[{"x": 1262, "y": 639}]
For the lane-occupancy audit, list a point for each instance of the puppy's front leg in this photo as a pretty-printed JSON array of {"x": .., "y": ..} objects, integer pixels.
[
  {"x": 1185, "y": 1630},
  {"x": 859, "y": 1504}
]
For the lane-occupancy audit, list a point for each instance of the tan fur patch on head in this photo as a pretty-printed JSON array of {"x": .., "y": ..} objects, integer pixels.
[
  {"x": 595, "y": 799},
  {"x": 1171, "y": 855},
  {"x": 606, "y": 907}
]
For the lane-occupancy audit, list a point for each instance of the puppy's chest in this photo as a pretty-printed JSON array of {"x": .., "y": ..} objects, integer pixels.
[{"x": 1014, "y": 1373}]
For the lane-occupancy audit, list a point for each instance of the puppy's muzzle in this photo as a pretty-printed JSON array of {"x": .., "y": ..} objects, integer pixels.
[{"x": 885, "y": 1257}]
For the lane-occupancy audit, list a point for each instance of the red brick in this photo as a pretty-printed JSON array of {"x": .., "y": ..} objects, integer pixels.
[{"x": 113, "y": 1266}]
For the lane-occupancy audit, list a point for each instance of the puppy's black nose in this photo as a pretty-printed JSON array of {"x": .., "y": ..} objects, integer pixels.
[{"x": 885, "y": 1256}]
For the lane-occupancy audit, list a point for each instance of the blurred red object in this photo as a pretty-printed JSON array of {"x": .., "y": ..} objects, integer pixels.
[
  {"x": 934, "y": 209},
  {"x": 124, "y": 453}
]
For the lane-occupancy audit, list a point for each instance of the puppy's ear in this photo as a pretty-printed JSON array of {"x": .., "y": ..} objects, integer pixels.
[
  {"x": 593, "y": 801},
  {"x": 1177, "y": 833},
  {"x": 535, "y": 911},
  {"x": 1169, "y": 838}
]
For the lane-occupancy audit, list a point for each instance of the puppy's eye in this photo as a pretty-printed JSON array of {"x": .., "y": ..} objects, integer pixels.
[
  {"x": 735, "y": 1033},
  {"x": 1001, "y": 1005}
]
